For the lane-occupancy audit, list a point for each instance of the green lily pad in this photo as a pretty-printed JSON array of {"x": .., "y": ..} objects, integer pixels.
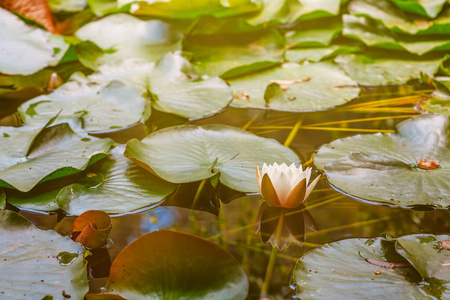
[
  {"x": 397, "y": 20},
  {"x": 18, "y": 41},
  {"x": 29, "y": 156},
  {"x": 2, "y": 199},
  {"x": 320, "y": 53},
  {"x": 294, "y": 87},
  {"x": 385, "y": 68},
  {"x": 180, "y": 9},
  {"x": 100, "y": 107},
  {"x": 38, "y": 263},
  {"x": 67, "y": 5},
  {"x": 340, "y": 269},
  {"x": 131, "y": 71},
  {"x": 314, "y": 33},
  {"x": 229, "y": 56},
  {"x": 131, "y": 37},
  {"x": 439, "y": 100},
  {"x": 427, "y": 8},
  {"x": 373, "y": 33},
  {"x": 387, "y": 168},
  {"x": 177, "y": 89},
  {"x": 176, "y": 266},
  {"x": 285, "y": 11},
  {"x": 124, "y": 187},
  {"x": 190, "y": 153}
]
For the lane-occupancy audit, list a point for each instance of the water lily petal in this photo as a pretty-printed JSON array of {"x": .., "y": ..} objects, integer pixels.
[
  {"x": 258, "y": 178},
  {"x": 311, "y": 187},
  {"x": 296, "y": 196},
  {"x": 309, "y": 220},
  {"x": 268, "y": 192},
  {"x": 282, "y": 187}
]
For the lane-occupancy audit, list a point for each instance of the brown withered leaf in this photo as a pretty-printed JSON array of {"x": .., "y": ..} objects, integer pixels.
[
  {"x": 37, "y": 10},
  {"x": 428, "y": 164},
  {"x": 445, "y": 245},
  {"x": 92, "y": 229}
]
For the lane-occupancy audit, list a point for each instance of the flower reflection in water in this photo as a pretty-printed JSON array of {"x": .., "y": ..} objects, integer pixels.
[{"x": 289, "y": 223}]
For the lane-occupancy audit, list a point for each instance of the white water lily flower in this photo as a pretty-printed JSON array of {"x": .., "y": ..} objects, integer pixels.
[{"x": 283, "y": 186}]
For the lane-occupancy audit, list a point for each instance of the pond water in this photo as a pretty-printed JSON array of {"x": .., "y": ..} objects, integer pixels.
[
  {"x": 90, "y": 103},
  {"x": 337, "y": 216}
]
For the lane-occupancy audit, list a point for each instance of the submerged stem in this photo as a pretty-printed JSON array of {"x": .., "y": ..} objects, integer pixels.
[{"x": 273, "y": 257}]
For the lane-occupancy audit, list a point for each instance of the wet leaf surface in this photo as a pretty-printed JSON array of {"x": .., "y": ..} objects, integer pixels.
[
  {"x": 176, "y": 265},
  {"x": 191, "y": 153},
  {"x": 44, "y": 260},
  {"x": 383, "y": 167}
]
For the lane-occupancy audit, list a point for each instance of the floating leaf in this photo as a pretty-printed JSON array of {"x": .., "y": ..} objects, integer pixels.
[
  {"x": 67, "y": 5},
  {"x": 176, "y": 265},
  {"x": 397, "y": 20},
  {"x": 92, "y": 229},
  {"x": 385, "y": 68},
  {"x": 314, "y": 33},
  {"x": 123, "y": 187},
  {"x": 191, "y": 153},
  {"x": 18, "y": 41},
  {"x": 294, "y": 87},
  {"x": 439, "y": 100},
  {"x": 131, "y": 37},
  {"x": 372, "y": 33},
  {"x": 229, "y": 56},
  {"x": 384, "y": 167},
  {"x": 38, "y": 264},
  {"x": 429, "y": 258},
  {"x": 180, "y": 9},
  {"x": 340, "y": 269},
  {"x": 425, "y": 8},
  {"x": 176, "y": 89},
  {"x": 36, "y": 10},
  {"x": 100, "y": 107},
  {"x": 38, "y": 155},
  {"x": 283, "y": 11},
  {"x": 317, "y": 54},
  {"x": 131, "y": 71}
]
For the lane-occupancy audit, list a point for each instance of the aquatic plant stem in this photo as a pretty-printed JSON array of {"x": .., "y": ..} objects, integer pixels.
[
  {"x": 273, "y": 257},
  {"x": 199, "y": 192}
]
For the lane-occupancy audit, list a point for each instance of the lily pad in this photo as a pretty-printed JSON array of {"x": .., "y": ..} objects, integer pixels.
[
  {"x": 131, "y": 71},
  {"x": 340, "y": 269},
  {"x": 100, "y": 107},
  {"x": 67, "y": 5},
  {"x": 373, "y": 33},
  {"x": 314, "y": 33},
  {"x": 180, "y": 9},
  {"x": 38, "y": 263},
  {"x": 123, "y": 187},
  {"x": 439, "y": 101},
  {"x": 320, "y": 53},
  {"x": 29, "y": 156},
  {"x": 191, "y": 153},
  {"x": 425, "y": 8},
  {"x": 18, "y": 41},
  {"x": 399, "y": 21},
  {"x": 392, "y": 168},
  {"x": 176, "y": 266},
  {"x": 294, "y": 87},
  {"x": 131, "y": 37},
  {"x": 229, "y": 56},
  {"x": 177, "y": 89},
  {"x": 285, "y": 11},
  {"x": 385, "y": 68}
]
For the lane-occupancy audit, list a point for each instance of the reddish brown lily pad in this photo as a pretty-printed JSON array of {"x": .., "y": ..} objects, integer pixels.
[
  {"x": 171, "y": 265},
  {"x": 92, "y": 229}
]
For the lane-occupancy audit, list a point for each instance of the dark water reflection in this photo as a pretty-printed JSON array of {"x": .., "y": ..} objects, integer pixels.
[{"x": 337, "y": 216}]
